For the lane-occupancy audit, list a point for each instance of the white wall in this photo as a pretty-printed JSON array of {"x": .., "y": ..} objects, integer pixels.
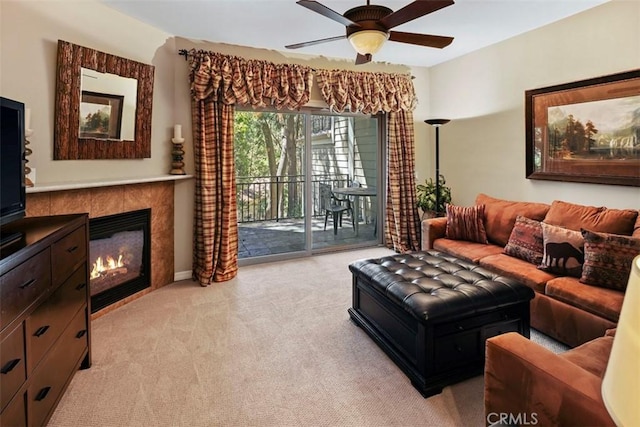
[
  {"x": 29, "y": 33},
  {"x": 483, "y": 148}
]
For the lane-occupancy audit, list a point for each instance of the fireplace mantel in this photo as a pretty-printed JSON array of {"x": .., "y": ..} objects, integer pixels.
[{"x": 76, "y": 185}]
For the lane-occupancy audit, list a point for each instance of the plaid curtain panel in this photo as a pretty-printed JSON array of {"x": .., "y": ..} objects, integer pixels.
[
  {"x": 218, "y": 83},
  {"x": 402, "y": 221}
]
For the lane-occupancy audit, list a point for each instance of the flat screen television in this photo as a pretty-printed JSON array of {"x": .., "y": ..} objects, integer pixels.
[{"x": 12, "y": 184}]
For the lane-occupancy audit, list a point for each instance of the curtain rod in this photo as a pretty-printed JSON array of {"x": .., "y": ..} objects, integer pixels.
[{"x": 185, "y": 53}]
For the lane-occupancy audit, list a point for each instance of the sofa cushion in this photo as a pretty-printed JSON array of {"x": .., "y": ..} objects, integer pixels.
[
  {"x": 591, "y": 356},
  {"x": 500, "y": 216},
  {"x": 518, "y": 269},
  {"x": 575, "y": 217},
  {"x": 563, "y": 251},
  {"x": 466, "y": 223},
  {"x": 608, "y": 259},
  {"x": 526, "y": 240},
  {"x": 602, "y": 302},
  {"x": 466, "y": 250},
  {"x": 636, "y": 227}
]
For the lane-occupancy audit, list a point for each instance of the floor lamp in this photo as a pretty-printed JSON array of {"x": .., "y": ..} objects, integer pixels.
[{"x": 437, "y": 123}]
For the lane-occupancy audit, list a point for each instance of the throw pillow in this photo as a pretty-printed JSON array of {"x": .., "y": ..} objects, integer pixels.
[
  {"x": 563, "y": 251},
  {"x": 466, "y": 223},
  {"x": 607, "y": 259},
  {"x": 526, "y": 240}
]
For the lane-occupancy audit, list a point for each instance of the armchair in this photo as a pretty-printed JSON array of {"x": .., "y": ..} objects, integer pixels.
[{"x": 525, "y": 382}]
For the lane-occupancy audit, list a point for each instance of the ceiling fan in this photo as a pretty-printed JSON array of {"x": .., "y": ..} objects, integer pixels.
[{"x": 368, "y": 27}]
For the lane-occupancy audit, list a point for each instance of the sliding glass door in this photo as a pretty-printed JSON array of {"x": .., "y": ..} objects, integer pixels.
[
  {"x": 345, "y": 173},
  {"x": 306, "y": 182}
]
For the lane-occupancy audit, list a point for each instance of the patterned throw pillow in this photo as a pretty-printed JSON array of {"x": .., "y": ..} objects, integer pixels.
[
  {"x": 466, "y": 223},
  {"x": 607, "y": 259},
  {"x": 563, "y": 251},
  {"x": 525, "y": 241}
]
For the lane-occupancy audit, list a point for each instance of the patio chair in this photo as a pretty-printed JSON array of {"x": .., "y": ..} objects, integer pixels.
[{"x": 333, "y": 206}]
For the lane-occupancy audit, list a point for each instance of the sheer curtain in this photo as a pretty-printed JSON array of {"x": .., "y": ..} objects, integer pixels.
[
  {"x": 218, "y": 83},
  {"x": 394, "y": 94}
]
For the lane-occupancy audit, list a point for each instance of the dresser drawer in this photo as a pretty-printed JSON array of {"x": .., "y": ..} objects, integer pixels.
[
  {"x": 12, "y": 365},
  {"x": 48, "y": 321},
  {"x": 68, "y": 253},
  {"x": 21, "y": 286},
  {"x": 15, "y": 414},
  {"x": 51, "y": 376}
]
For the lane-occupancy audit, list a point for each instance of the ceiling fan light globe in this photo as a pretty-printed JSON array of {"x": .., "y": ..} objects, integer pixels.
[{"x": 368, "y": 41}]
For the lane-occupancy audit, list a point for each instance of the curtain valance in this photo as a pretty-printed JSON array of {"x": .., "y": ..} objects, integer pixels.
[
  {"x": 251, "y": 82},
  {"x": 367, "y": 93}
]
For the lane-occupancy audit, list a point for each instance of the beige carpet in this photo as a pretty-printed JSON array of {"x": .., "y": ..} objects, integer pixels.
[{"x": 273, "y": 347}]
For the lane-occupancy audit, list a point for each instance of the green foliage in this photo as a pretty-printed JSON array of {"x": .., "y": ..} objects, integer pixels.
[
  {"x": 96, "y": 122},
  {"x": 426, "y": 195},
  {"x": 249, "y": 145}
]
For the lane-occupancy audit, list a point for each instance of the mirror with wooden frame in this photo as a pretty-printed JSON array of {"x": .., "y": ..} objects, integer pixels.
[{"x": 91, "y": 120}]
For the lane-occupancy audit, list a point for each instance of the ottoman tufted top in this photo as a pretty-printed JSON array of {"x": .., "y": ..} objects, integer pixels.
[{"x": 434, "y": 285}]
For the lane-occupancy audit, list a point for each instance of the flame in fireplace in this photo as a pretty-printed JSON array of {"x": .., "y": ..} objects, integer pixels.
[{"x": 109, "y": 264}]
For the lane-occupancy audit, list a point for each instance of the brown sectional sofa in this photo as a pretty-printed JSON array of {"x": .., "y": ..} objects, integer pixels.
[{"x": 563, "y": 308}]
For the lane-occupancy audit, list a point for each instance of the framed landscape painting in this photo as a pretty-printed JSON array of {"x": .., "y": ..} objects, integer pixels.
[
  {"x": 100, "y": 115},
  {"x": 585, "y": 131}
]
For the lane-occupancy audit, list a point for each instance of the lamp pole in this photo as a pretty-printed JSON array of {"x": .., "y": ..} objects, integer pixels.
[{"x": 437, "y": 123}]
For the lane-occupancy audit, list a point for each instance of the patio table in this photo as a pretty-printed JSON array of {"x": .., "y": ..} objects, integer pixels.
[{"x": 356, "y": 193}]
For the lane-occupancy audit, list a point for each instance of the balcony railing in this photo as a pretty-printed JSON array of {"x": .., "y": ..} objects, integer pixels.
[{"x": 267, "y": 198}]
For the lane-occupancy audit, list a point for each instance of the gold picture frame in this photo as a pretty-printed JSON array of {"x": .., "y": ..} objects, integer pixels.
[{"x": 585, "y": 131}]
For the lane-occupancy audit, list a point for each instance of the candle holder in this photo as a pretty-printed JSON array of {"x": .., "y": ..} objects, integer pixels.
[
  {"x": 27, "y": 153},
  {"x": 177, "y": 155}
]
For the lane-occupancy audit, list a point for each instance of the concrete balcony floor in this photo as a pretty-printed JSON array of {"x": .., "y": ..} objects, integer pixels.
[{"x": 276, "y": 237}]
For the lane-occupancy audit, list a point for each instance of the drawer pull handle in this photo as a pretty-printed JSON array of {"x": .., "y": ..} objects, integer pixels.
[
  {"x": 460, "y": 327},
  {"x": 42, "y": 393},
  {"x": 41, "y": 331},
  {"x": 80, "y": 286},
  {"x": 72, "y": 249},
  {"x": 9, "y": 366},
  {"x": 459, "y": 349},
  {"x": 81, "y": 333},
  {"x": 29, "y": 283}
]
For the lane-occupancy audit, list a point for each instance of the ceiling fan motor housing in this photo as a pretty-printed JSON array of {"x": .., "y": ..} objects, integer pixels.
[{"x": 367, "y": 18}]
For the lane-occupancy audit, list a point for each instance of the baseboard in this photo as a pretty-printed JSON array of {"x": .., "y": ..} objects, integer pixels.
[{"x": 181, "y": 275}]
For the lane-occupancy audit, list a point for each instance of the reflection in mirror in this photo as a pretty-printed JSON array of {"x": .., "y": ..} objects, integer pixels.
[{"x": 107, "y": 106}]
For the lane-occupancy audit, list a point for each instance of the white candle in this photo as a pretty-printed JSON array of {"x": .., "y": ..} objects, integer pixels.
[
  {"x": 27, "y": 118},
  {"x": 177, "y": 132}
]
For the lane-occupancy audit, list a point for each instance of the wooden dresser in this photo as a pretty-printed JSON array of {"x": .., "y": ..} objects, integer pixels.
[{"x": 44, "y": 315}]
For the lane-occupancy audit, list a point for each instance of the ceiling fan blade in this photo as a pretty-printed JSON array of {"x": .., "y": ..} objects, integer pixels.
[
  {"x": 325, "y": 11},
  {"x": 412, "y": 11},
  {"x": 420, "y": 39},
  {"x": 363, "y": 59},
  {"x": 314, "y": 42}
]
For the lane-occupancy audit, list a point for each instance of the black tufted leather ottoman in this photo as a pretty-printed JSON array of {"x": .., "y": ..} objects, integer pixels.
[{"x": 432, "y": 312}]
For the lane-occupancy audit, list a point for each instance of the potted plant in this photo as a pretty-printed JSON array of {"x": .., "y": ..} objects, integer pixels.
[{"x": 426, "y": 195}]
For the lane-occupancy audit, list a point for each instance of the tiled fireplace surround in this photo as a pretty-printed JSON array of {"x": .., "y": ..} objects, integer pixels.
[{"x": 102, "y": 201}]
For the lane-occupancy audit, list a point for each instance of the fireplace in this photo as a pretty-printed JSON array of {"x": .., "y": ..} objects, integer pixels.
[{"x": 119, "y": 255}]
